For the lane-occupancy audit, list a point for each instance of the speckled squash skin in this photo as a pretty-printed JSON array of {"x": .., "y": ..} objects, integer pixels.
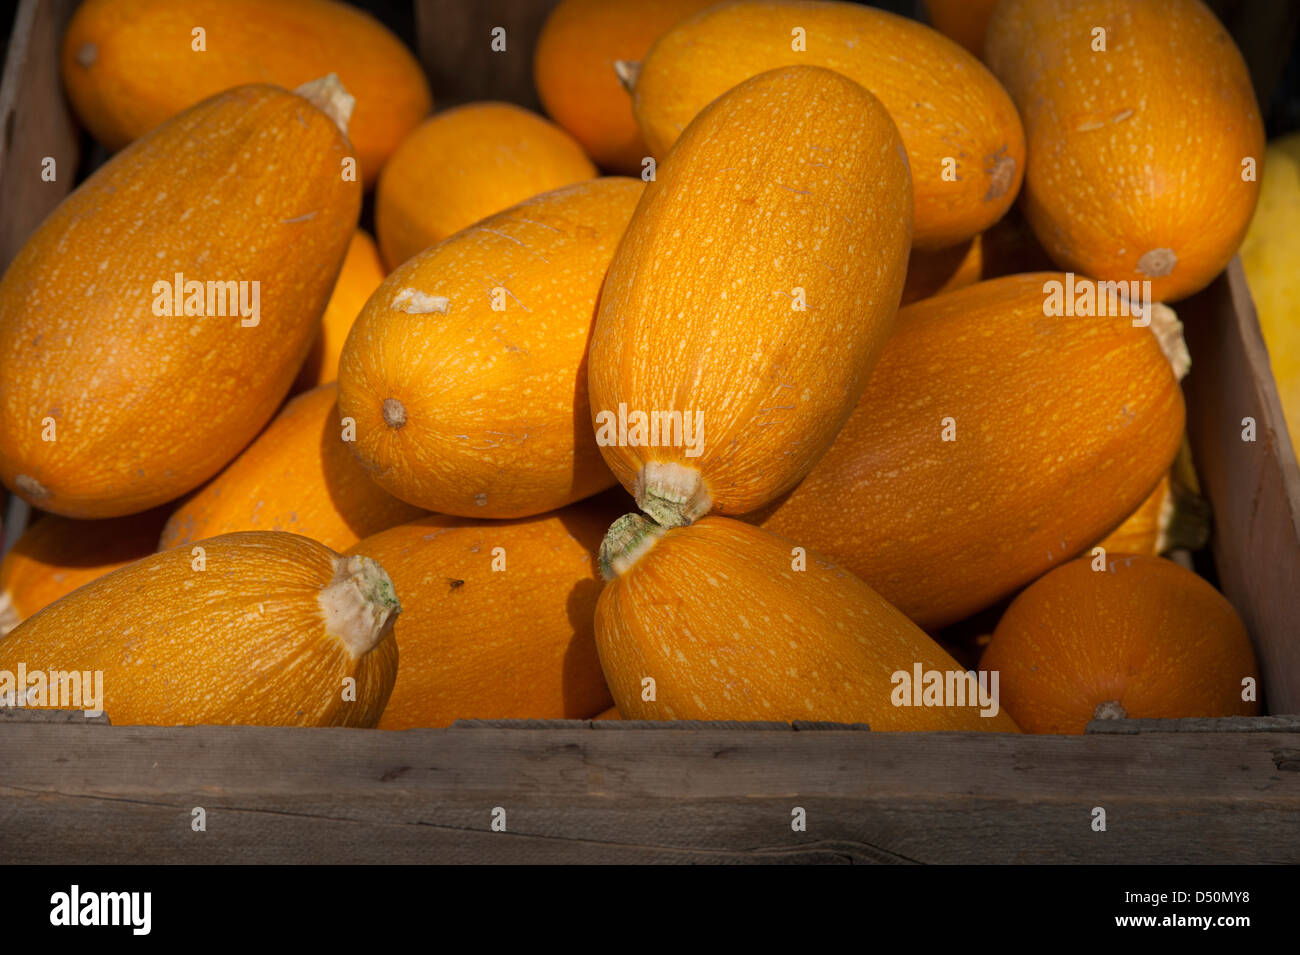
[
  {"x": 464, "y": 409},
  {"x": 718, "y": 617},
  {"x": 464, "y": 165},
  {"x": 243, "y": 641},
  {"x": 56, "y": 555},
  {"x": 363, "y": 272},
  {"x": 298, "y": 476},
  {"x": 1143, "y": 639},
  {"x": 806, "y": 188},
  {"x": 244, "y": 187},
  {"x": 944, "y": 102},
  {"x": 1061, "y": 426},
  {"x": 574, "y": 71},
  {"x": 1135, "y": 154},
  {"x": 129, "y": 65},
  {"x": 495, "y": 634}
]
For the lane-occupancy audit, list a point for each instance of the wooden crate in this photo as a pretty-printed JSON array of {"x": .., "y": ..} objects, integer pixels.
[{"x": 1173, "y": 791}]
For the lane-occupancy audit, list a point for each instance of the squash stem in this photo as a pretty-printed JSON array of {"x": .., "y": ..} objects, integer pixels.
[
  {"x": 1169, "y": 333},
  {"x": 360, "y": 604},
  {"x": 8, "y": 613},
  {"x": 672, "y": 494},
  {"x": 329, "y": 95},
  {"x": 627, "y": 540},
  {"x": 628, "y": 71}
]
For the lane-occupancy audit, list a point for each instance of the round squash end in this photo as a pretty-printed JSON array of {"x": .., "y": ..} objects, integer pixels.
[
  {"x": 628, "y": 538},
  {"x": 329, "y": 95},
  {"x": 87, "y": 54},
  {"x": 8, "y": 613},
  {"x": 360, "y": 604},
  {"x": 394, "y": 413},
  {"x": 1110, "y": 710},
  {"x": 1001, "y": 176},
  {"x": 672, "y": 494},
  {"x": 1157, "y": 263},
  {"x": 1169, "y": 333}
]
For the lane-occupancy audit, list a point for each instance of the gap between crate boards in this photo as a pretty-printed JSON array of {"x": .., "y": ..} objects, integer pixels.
[{"x": 1199, "y": 791}]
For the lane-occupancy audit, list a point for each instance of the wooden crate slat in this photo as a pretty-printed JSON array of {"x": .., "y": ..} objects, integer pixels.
[{"x": 1229, "y": 724}]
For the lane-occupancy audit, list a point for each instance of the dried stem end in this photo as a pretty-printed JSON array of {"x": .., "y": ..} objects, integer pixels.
[
  {"x": 360, "y": 604},
  {"x": 329, "y": 96},
  {"x": 672, "y": 494},
  {"x": 627, "y": 540}
]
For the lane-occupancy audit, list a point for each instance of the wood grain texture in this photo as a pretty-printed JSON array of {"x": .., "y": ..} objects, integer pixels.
[
  {"x": 454, "y": 39},
  {"x": 84, "y": 794},
  {"x": 1253, "y": 487},
  {"x": 34, "y": 123}
]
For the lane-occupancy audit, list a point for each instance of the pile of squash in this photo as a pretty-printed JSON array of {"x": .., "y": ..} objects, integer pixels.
[{"x": 620, "y": 415}]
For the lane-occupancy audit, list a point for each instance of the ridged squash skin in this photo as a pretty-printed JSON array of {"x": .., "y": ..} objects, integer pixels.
[
  {"x": 462, "y": 408},
  {"x": 790, "y": 190},
  {"x": 1271, "y": 257},
  {"x": 129, "y": 65},
  {"x": 464, "y": 165},
  {"x": 1135, "y": 167},
  {"x": 574, "y": 71},
  {"x": 1142, "y": 639},
  {"x": 944, "y": 102},
  {"x": 299, "y": 477},
  {"x": 363, "y": 272},
  {"x": 56, "y": 555},
  {"x": 244, "y": 187},
  {"x": 962, "y": 21},
  {"x": 246, "y": 640},
  {"x": 498, "y": 617},
  {"x": 716, "y": 614},
  {"x": 1060, "y": 427}
]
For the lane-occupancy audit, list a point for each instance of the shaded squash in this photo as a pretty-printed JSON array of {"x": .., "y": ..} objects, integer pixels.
[
  {"x": 582, "y": 44},
  {"x": 465, "y": 164},
  {"x": 498, "y": 617},
  {"x": 109, "y": 402},
  {"x": 761, "y": 319},
  {"x": 1141, "y": 639},
  {"x": 362, "y": 273},
  {"x": 56, "y": 555},
  {"x": 466, "y": 371},
  {"x": 719, "y": 618},
  {"x": 1008, "y": 247},
  {"x": 963, "y": 21},
  {"x": 965, "y": 145},
  {"x": 266, "y": 631},
  {"x": 1136, "y": 166},
  {"x": 299, "y": 477},
  {"x": 129, "y": 65},
  {"x": 992, "y": 443}
]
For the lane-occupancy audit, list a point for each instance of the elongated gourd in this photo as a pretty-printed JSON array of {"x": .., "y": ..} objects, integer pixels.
[
  {"x": 965, "y": 145},
  {"x": 153, "y": 323},
  {"x": 465, "y": 164},
  {"x": 756, "y": 324},
  {"x": 465, "y": 372},
  {"x": 262, "y": 628},
  {"x": 56, "y": 555},
  {"x": 1140, "y": 639},
  {"x": 129, "y": 65},
  {"x": 720, "y": 618},
  {"x": 498, "y": 617},
  {"x": 362, "y": 273},
  {"x": 580, "y": 51},
  {"x": 299, "y": 477},
  {"x": 993, "y": 442},
  {"x": 1143, "y": 155}
]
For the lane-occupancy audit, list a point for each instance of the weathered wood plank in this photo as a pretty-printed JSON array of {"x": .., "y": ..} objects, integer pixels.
[
  {"x": 1228, "y": 724},
  {"x": 1253, "y": 487},
  {"x": 80, "y": 794}
]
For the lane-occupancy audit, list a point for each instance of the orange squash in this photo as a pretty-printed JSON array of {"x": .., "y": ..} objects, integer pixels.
[
  {"x": 498, "y": 617},
  {"x": 129, "y": 65},
  {"x": 465, "y": 164},
  {"x": 760, "y": 320},
  {"x": 727, "y": 624},
  {"x": 965, "y": 145},
  {"x": 1140, "y": 533},
  {"x": 582, "y": 44},
  {"x": 1008, "y": 247},
  {"x": 992, "y": 443},
  {"x": 466, "y": 371},
  {"x": 232, "y": 214},
  {"x": 260, "y": 628},
  {"x": 56, "y": 555},
  {"x": 1143, "y": 639},
  {"x": 963, "y": 21},
  {"x": 1137, "y": 155},
  {"x": 363, "y": 272},
  {"x": 298, "y": 476},
  {"x": 609, "y": 714}
]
